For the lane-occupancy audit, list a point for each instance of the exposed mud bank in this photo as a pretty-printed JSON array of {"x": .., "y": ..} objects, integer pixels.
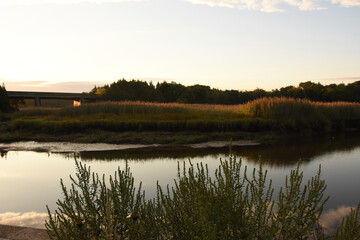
[{"x": 87, "y": 147}]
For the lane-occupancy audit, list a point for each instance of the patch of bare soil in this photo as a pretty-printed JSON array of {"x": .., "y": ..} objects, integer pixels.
[
  {"x": 22, "y": 233},
  {"x": 217, "y": 144}
]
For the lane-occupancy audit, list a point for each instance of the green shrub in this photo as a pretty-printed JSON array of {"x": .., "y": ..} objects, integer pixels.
[{"x": 229, "y": 204}]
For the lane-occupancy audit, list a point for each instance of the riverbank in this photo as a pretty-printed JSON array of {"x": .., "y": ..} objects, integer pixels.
[
  {"x": 66, "y": 147},
  {"x": 262, "y": 120},
  {"x": 101, "y": 136}
]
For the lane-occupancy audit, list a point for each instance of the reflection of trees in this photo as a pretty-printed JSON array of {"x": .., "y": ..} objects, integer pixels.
[
  {"x": 3, "y": 154},
  {"x": 290, "y": 152},
  {"x": 148, "y": 154},
  {"x": 279, "y": 154}
]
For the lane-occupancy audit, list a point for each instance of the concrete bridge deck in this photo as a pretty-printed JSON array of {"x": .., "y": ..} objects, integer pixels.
[{"x": 37, "y": 96}]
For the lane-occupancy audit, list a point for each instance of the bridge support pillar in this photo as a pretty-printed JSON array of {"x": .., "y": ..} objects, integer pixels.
[{"x": 37, "y": 102}]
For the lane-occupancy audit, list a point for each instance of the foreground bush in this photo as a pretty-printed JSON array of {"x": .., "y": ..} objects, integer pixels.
[{"x": 230, "y": 205}]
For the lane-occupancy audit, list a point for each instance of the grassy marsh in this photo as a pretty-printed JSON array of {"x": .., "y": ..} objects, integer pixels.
[{"x": 116, "y": 120}]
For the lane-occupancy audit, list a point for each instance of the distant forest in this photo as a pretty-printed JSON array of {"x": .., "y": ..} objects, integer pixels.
[{"x": 136, "y": 90}]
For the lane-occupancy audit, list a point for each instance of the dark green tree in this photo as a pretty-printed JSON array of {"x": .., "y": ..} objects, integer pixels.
[
  {"x": 133, "y": 90},
  {"x": 4, "y": 100},
  {"x": 169, "y": 92},
  {"x": 136, "y": 90}
]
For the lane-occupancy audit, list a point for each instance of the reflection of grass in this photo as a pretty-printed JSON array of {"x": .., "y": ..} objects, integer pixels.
[
  {"x": 282, "y": 153},
  {"x": 267, "y": 114},
  {"x": 143, "y": 137}
]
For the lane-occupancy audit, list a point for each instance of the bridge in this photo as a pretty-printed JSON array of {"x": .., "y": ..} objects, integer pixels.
[{"x": 37, "y": 96}]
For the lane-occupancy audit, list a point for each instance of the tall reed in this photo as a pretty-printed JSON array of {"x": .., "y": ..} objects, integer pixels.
[
  {"x": 284, "y": 114},
  {"x": 299, "y": 113}
]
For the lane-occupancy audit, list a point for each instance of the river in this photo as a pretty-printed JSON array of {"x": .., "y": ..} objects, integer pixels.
[{"x": 30, "y": 172}]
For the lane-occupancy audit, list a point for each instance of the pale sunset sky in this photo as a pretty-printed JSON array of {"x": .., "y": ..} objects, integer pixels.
[{"x": 72, "y": 45}]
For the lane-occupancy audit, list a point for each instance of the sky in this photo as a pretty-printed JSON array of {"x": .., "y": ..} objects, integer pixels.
[{"x": 73, "y": 45}]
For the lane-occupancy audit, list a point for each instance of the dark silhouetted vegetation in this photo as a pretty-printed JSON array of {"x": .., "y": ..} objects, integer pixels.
[
  {"x": 227, "y": 204},
  {"x": 165, "y": 92},
  {"x": 281, "y": 154},
  {"x": 283, "y": 115},
  {"x": 4, "y": 102}
]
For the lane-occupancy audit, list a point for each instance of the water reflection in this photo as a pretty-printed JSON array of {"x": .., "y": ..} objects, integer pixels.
[
  {"x": 329, "y": 220},
  {"x": 3, "y": 154},
  {"x": 31, "y": 179},
  {"x": 290, "y": 152},
  {"x": 276, "y": 155}
]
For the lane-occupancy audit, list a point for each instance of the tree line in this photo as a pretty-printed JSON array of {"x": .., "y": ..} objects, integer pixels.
[
  {"x": 136, "y": 90},
  {"x": 4, "y": 101}
]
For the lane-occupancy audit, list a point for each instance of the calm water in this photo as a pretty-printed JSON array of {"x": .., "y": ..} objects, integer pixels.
[{"x": 30, "y": 180}]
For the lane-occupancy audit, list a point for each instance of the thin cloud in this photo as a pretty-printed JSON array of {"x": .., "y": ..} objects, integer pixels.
[
  {"x": 262, "y": 5},
  {"x": 339, "y": 79},
  {"x": 32, "y": 2},
  {"x": 49, "y": 86},
  {"x": 28, "y": 219},
  {"x": 258, "y": 5},
  {"x": 216, "y": 3},
  {"x": 305, "y": 5},
  {"x": 270, "y": 6},
  {"x": 273, "y": 5},
  {"x": 347, "y": 3}
]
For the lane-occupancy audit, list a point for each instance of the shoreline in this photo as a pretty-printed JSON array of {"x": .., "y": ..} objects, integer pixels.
[
  {"x": 108, "y": 141},
  {"x": 64, "y": 147},
  {"x": 172, "y": 139}
]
